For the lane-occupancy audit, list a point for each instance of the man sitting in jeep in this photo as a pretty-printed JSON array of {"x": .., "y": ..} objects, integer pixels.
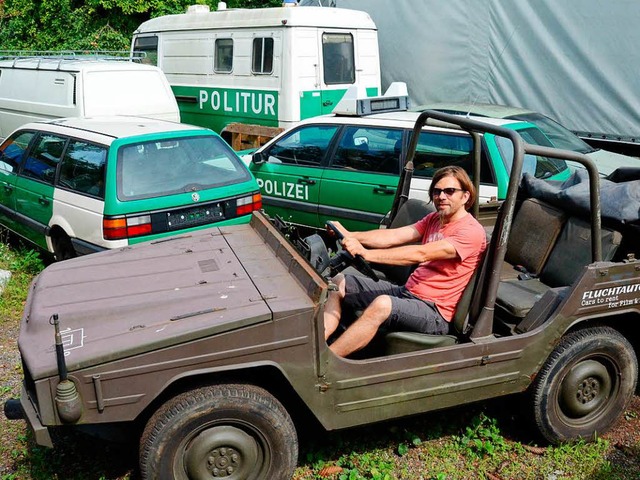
[{"x": 452, "y": 243}]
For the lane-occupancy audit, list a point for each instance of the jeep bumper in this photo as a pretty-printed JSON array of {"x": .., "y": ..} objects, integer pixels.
[{"x": 17, "y": 409}]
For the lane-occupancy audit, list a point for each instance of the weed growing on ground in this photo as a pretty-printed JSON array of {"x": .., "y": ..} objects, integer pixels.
[{"x": 482, "y": 438}]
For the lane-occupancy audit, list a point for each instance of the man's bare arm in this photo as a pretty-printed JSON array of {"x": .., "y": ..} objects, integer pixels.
[
  {"x": 403, "y": 255},
  {"x": 384, "y": 237}
]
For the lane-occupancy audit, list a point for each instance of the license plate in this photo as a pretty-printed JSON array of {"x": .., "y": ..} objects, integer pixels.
[{"x": 192, "y": 217}]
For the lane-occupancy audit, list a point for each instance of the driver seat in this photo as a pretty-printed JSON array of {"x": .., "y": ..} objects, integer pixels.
[{"x": 404, "y": 342}]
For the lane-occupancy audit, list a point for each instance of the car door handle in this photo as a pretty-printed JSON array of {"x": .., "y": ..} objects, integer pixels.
[
  {"x": 384, "y": 190},
  {"x": 327, "y": 103},
  {"x": 44, "y": 201},
  {"x": 306, "y": 181},
  {"x": 8, "y": 188}
]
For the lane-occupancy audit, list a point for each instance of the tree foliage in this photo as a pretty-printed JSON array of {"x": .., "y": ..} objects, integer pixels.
[{"x": 90, "y": 24}]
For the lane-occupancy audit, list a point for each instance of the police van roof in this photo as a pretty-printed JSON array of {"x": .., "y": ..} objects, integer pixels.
[{"x": 259, "y": 17}]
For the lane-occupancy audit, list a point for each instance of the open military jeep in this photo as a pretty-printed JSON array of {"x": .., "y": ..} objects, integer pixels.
[{"x": 212, "y": 343}]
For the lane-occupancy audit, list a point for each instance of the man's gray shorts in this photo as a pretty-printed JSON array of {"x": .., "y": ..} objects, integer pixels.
[{"x": 408, "y": 312}]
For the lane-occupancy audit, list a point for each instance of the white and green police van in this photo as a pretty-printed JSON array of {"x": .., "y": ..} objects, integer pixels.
[
  {"x": 79, "y": 185},
  {"x": 346, "y": 166},
  {"x": 268, "y": 67}
]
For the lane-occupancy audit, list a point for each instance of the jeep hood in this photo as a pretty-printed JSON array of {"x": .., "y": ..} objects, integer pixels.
[{"x": 148, "y": 296}]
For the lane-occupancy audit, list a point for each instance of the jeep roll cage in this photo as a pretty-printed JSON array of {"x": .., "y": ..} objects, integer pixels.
[{"x": 483, "y": 325}]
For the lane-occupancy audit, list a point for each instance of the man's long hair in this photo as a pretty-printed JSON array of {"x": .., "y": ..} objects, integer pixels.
[{"x": 465, "y": 182}]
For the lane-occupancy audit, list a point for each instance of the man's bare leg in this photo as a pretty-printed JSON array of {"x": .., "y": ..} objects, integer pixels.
[
  {"x": 333, "y": 307},
  {"x": 362, "y": 331}
]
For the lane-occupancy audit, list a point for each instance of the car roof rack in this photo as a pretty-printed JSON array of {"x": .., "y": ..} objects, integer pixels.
[{"x": 70, "y": 55}]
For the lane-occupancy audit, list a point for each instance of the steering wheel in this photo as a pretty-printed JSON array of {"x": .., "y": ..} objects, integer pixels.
[{"x": 343, "y": 259}]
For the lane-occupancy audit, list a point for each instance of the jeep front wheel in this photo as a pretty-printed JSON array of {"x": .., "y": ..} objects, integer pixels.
[
  {"x": 231, "y": 432},
  {"x": 585, "y": 385}
]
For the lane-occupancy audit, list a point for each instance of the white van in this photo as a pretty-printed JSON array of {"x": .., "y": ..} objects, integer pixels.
[
  {"x": 266, "y": 67},
  {"x": 43, "y": 88}
]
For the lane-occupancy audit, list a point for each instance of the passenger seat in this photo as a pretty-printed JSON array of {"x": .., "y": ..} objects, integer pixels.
[{"x": 571, "y": 253}]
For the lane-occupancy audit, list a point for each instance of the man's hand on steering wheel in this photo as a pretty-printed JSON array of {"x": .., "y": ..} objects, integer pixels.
[{"x": 345, "y": 257}]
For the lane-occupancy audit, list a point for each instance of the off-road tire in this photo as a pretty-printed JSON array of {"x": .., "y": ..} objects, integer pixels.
[
  {"x": 233, "y": 432},
  {"x": 585, "y": 385}
]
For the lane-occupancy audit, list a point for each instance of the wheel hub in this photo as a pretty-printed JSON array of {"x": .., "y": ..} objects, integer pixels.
[
  {"x": 585, "y": 389},
  {"x": 223, "y": 461},
  {"x": 588, "y": 390},
  {"x": 221, "y": 452}
]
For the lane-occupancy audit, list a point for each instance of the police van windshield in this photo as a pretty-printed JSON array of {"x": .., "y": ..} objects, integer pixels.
[{"x": 191, "y": 164}]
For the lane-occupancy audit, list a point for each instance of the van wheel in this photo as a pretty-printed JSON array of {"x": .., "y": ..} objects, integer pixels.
[
  {"x": 223, "y": 431},
  {"x": 585, "y": 385},
  {"x": 62, "y": 247}
]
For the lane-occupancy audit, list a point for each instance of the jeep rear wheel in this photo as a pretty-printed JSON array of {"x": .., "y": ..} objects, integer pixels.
[
  {"x": 235, "y": 432},
  {"x": 585, "y": 385}
]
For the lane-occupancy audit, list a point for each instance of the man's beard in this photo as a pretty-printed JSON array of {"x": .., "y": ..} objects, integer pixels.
[{"x": 442, "y": 216}]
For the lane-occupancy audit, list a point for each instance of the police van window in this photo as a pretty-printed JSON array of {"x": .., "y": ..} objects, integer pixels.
[
  {"x": 437, "y": 150},
  {"x": 306, "y": 146},
  {"x": 368, "y": 149},
  {"x": 42, "y": 161},
  {"x": 12, "y": 151},
  {"x": 262, "y": 56},
  {"x": 148, "y": 47},
  {"x": 223, "y": 55},
  {"x": 339, "y": 60},
  {"x": 82, "y": 168}
]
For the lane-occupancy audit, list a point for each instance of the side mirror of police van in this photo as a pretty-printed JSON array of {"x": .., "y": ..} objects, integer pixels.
[{"x": 258, "y": 158}]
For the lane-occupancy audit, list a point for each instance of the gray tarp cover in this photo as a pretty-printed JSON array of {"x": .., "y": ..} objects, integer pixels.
[
  {"x": 619, "y": 193},
  {"x": 574, "y": 60}
]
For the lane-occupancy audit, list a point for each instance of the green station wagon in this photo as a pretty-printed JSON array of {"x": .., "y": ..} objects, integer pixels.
[
  {"x": 346, "y": 167},
  {"x": 79, "y": 185}
]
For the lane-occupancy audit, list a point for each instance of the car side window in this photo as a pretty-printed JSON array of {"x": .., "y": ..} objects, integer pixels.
[
  {"x": 306, "y": 146},
  {"x": 369, "y": 149},
  {"x": 437, "y": 150},
  {"x": 82, "y": 168},
  {"x": 44, "y": 157},
  {"x": 12, "y": 151}
]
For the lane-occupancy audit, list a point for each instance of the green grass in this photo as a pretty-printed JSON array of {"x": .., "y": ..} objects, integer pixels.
[
  {"x": 481, "y": 441},
  {"x": 23, "y": 265}
]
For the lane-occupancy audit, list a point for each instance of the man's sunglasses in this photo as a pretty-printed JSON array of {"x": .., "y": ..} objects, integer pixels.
[{"x": 447, "y": 191}]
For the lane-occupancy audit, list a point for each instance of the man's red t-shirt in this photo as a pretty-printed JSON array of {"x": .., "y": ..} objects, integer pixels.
[{"x": 443, "y": 281}]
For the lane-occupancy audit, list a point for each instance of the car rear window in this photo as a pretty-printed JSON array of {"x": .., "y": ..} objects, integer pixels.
[{"x": 188, "y": 164}]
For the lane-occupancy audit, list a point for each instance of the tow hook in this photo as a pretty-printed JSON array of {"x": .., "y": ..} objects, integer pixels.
[{"x": 13, "y": 409}]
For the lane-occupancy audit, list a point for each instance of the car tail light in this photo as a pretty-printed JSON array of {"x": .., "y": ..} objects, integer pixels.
[
  {"x": 248, "y": 204},
  {"x": 120, "y": 228}
]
